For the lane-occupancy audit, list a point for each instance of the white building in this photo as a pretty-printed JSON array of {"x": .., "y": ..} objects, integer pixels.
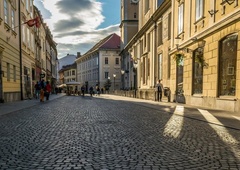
[{"x": 100, "y": 63}]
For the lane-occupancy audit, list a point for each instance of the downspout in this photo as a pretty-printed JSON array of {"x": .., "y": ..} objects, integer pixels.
[{"x": 20, "y": 47}]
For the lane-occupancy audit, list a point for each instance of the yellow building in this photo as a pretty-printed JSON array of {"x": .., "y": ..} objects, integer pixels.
[
  {"x": 206, "y": 35},
  {"x": 9, "y": 52},
  {"x": 22, "y": 50},
  {"x": 149, "y": 48}
]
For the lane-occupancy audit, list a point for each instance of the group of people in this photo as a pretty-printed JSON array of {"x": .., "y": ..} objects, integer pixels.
[{"x": 42, "y": 89}]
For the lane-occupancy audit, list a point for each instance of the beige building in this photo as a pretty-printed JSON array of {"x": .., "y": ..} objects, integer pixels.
[
  {"x": 193, "y": 46},
  {"x": 207, "y": 34},
  {"x": 128, "y": 28},
  {"x": 149, "y": 48},
  {"x": 22, "y": 49},
  {"x": 100, "y": 63},
  {"x": 9, "y": 52}
]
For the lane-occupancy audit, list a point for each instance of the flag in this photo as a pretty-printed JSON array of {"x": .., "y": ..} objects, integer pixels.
[{"x": 33, "y": 22}]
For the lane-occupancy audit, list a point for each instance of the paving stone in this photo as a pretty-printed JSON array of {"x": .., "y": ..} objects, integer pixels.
[{"x": 98, "y": 133}]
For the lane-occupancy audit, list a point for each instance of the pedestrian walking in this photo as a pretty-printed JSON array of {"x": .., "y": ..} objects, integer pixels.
[
  {"x": 98, "y": 90},
  {"x": 37, "y": 90},
  {"x": 83, "y": 90},
  {"x": 42, "y": 91},
  {"x": 159, "y": 90},
  {"x": 91, "y": 90},
  {"x": 48, "y": 90}
]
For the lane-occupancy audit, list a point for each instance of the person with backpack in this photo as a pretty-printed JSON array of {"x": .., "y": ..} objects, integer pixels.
[{"x": 159, "y": 90}]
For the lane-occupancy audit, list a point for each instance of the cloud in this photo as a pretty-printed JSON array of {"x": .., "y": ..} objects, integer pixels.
[
  {"x": 75, "y": 24},
  {"x": 66, "y": 25},
  {"x": 71, "y": 7},
  {"x": 45, "y": 13}
]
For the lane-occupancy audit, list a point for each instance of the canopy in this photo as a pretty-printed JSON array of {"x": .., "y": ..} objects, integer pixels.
[
  {"x": 73, "y": 83},
  {"x": 62, "y": 85}
]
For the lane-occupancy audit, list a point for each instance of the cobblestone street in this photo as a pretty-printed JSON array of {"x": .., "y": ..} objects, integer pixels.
[{"x": 75, "y": 132}]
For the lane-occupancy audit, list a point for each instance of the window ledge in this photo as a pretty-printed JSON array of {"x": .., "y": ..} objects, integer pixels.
[
  {"x": 199, "y": 20},
  {"x": 230, "y": 98},
  {"x": 198, "y": 95}
]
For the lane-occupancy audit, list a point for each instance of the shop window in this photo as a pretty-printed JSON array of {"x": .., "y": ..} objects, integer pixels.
[{"x": 227, "y": 66}]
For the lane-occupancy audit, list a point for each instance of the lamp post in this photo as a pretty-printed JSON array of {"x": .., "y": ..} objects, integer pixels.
[
  {"x": 114, "y": 76},
  {"x": 135, "y": 65},
  {"x": 122, "y": 72}
]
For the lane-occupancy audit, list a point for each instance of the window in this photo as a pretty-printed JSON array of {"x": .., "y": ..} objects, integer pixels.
[
  {"x": 148, "y": 41},
  {"x": 6, "y": 16},
  {"x": 13, "y": 19},
  {"x": 227, "y": 66},
  {"x": 117, "y": 61},
  {"x": 23, "y": 33},
  {"x": 106, "y": 60},
  {"x": 159, "y": 2},
  {"x": 8, "y": 72},
  {"x": 197, "y": 73},
  {"x": 169, "y": 25},
  {"x": 199, "y": 9},
  {"x": 73, "y": 72},
  {"x": 144, "y": 70},
  {"x": 160, "y": 65},
  {"x": 180, "y": 19},
  {"x": 169, "y": 66},
  {"x": 106, "y": 75},
  {"x": 28, "y": 38},
  {"x": 14, "y": 74},
  {"x": 146, "y": 6},
  {"x": 27, "y": 5},
  {"x": 160, "y": 42}
]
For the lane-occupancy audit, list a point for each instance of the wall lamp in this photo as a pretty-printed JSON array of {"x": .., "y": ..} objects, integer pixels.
[
  {"x": 230, "y": 1},
  {"x": 212, "y": 12}
]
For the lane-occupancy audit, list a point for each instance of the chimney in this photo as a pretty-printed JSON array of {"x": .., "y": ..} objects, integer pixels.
[{"x": 78, "y": 54}]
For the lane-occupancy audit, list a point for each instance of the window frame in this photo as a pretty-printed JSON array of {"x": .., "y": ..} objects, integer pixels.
[
  {"x": 180, "y": 18},
  {"x": 6, "y": 11},
  {"x": 199, "y": 9}
]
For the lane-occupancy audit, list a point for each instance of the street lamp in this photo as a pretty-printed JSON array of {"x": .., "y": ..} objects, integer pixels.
[
  {"x": 135, "y": 65},
  {"x": 114, "y": 76},
  {"x": 122, "y": 78}
]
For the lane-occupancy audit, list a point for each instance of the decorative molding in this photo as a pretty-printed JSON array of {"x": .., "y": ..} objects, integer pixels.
[{"x": 1, "y": 48}]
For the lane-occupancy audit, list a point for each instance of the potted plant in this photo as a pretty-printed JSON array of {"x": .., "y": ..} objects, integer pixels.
[
  {"x": 200, "y": 59},
  {"x": 179, "y": 57}
]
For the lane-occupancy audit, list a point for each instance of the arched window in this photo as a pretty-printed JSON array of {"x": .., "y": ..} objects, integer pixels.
[{"x": 227, "y": 66}]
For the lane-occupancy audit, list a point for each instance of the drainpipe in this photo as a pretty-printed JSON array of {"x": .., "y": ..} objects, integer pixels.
[{"x": 20, "y": 48}]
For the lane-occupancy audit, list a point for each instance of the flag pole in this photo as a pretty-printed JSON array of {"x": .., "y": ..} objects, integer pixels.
[{"x": 20, "y": 48}]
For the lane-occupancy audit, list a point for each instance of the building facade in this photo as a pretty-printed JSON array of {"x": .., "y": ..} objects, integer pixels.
[
  {"x": 193, "y": 46},
  {"x": 128, "y": 28},
  {"x": 206, "y": 33},
  {"x": 22, "y": 46},
  {"x": 100, "y": 63},
  {"x": 149, "y": 48},
  {"x": 9, "y": 52}
]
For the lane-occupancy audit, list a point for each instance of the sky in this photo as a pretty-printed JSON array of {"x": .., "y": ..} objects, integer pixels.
[{"x": 77, "y": 25}]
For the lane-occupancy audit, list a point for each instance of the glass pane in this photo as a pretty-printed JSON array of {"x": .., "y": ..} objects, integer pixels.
[
  {"x": 197, "y": 73},
  {"x": 227, "y": 66}
]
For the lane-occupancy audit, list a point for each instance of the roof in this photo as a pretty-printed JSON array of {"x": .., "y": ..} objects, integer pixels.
[{"x": 110, "y": 42}]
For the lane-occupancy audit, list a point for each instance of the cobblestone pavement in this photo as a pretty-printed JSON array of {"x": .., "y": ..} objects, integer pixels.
[{"x": 100, "y": 133}]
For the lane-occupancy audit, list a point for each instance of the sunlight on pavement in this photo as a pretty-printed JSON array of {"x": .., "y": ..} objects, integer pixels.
[
  {"x": 174, "y": 125},
  {"x": 238, "y": 118},
  {"x": 223, "y": 133}
]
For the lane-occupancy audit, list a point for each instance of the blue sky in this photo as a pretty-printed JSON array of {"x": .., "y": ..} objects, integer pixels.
[{"x": 77, "y": 25}]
